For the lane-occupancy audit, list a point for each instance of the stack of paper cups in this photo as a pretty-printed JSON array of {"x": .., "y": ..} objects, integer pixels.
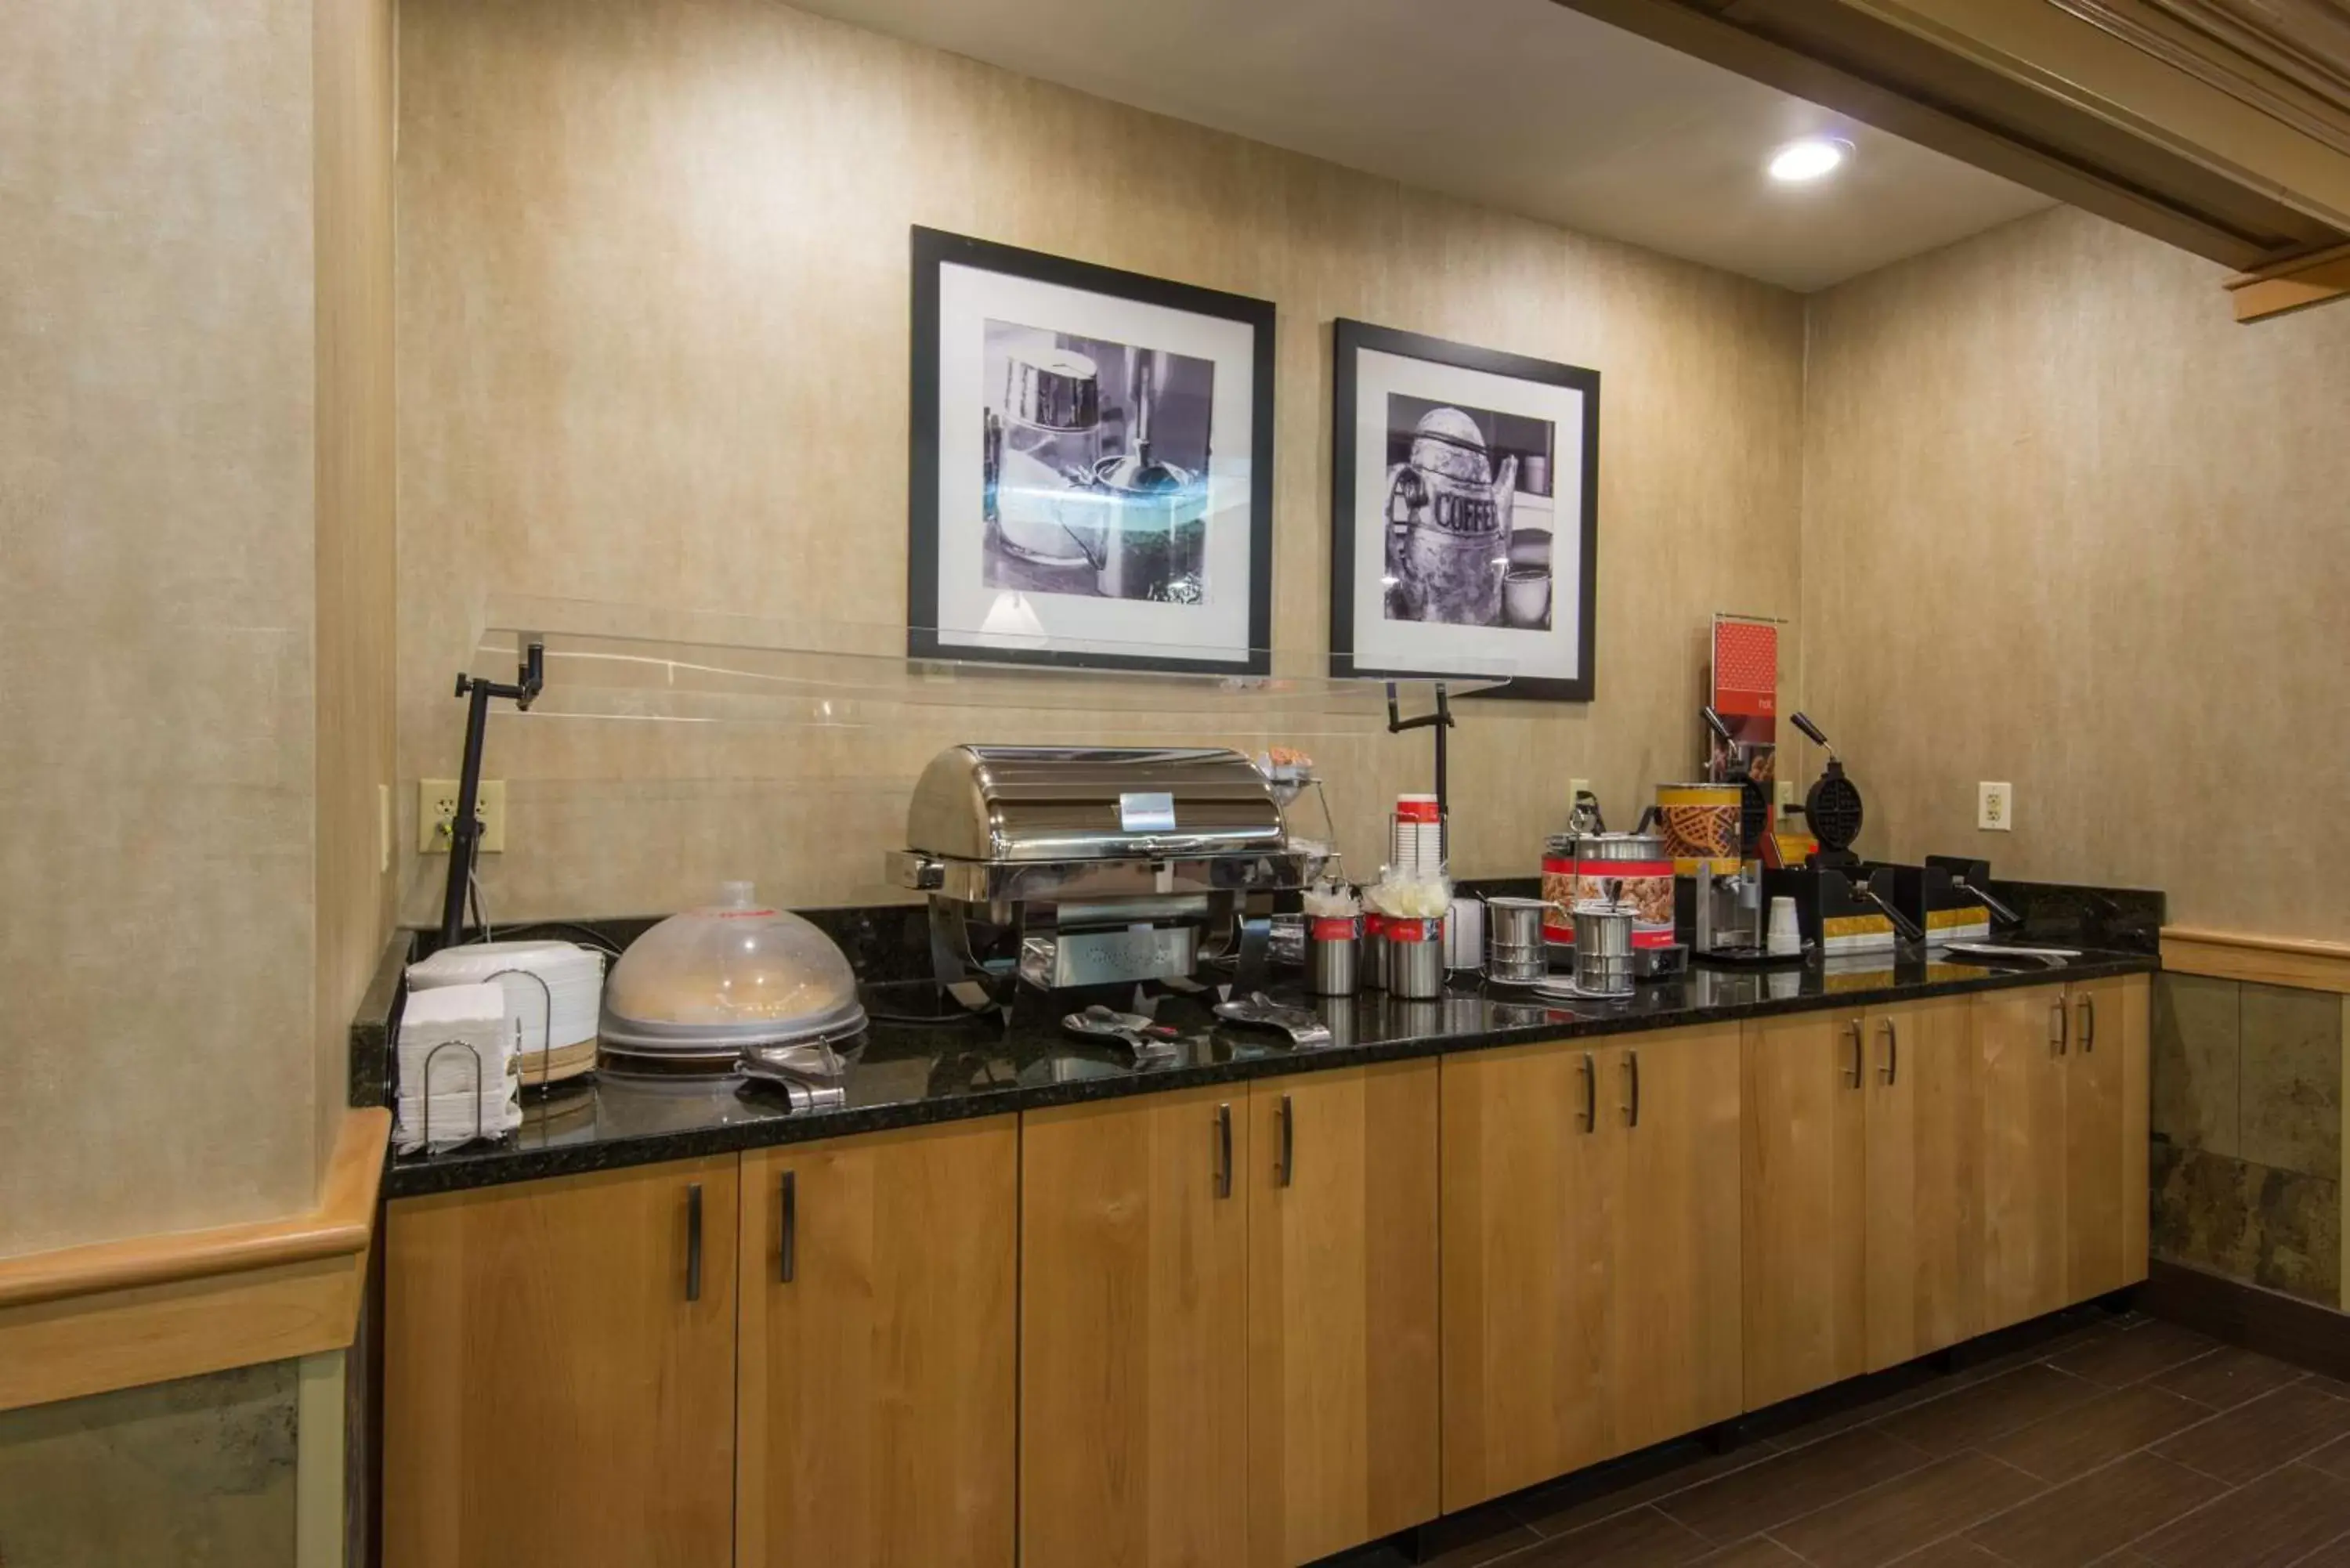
[
  {"x": 1783, "y": 938},
  {"x": 1417, "y": 852}
]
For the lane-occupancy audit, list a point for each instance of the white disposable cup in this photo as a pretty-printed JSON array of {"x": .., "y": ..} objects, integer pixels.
[{"x": 1785, "y": 937}]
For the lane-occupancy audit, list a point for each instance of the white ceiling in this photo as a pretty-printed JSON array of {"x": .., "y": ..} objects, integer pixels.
[{"x": 1520, "y": 104}]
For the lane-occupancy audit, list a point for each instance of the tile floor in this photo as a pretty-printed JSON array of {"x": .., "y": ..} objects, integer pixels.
[{"x": 2123, "y": 1441}]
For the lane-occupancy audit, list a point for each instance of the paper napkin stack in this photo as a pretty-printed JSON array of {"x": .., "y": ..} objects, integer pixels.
[{"x": 459, "y": 1070}]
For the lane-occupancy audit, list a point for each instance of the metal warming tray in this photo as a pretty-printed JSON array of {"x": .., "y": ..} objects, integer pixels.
[{"x": 1077, "y": 866}]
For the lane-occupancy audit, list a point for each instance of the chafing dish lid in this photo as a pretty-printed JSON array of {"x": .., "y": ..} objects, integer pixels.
[{"x": 1061, "y": 802}]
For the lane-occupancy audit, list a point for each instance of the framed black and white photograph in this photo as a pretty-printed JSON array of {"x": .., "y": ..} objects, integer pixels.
[
  {"x": 1463, "y": 514},
  {"x": 1091, "y": 461}
]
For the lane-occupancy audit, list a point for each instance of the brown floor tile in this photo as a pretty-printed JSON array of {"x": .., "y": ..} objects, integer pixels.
[
  {"x": 1783, "y": 1486},
  {"x": 2131, "y": 1355},
  {"x": 1906, "y": 1514},
  {"x": 2099, "y": 1512},
  {"x": 2073, "y": 1441},
  {"x": 2228, "y": 1377},
  {"x": 1592, "y": 1495},
  {"x": 2257, "y": 1436},
  {"x": 2334, "y": 1553},
  {"x": 1761, "y": 1552},
  {"x": 1639, "y": 1538},
  {"x": 1955, "y": 1552},
  {"x": 1860, "y": 1413},
  {"x": 1977, "y": 1413},
  {"x": 2277, "y": 1520},
  {"x": 2334, "y": 1458}
]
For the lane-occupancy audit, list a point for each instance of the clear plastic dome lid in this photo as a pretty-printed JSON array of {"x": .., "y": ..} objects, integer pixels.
[{"x": 736, "y": 973}]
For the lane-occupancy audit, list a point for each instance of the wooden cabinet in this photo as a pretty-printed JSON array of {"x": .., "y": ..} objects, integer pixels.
[
  {"x": 2065, "y": 1144},
  {"x": 1533, "y": 1180},
  {"x": 1676, "y": 1311},
  {"x": 2105, "y": 1149},
  {"x": 1864, "y": 1235},
  {"x": 2137, "y": 1114},
  {"x": 1133, "y": 1338},
  {"x": 2092, "y": 1059},
  {"x": 1805, "y": 1151},
  {"x": 1246, "y": 1324},
  {"x": 559, "y": 1372},
  {"x": 877, "y": 1423},
  {"x": 2020, "y": 1037},
  {"x": 1342, "y": 1308},
  {"x": 1591, "y": 1255},
  {"x": 1922, "y": 1237}
]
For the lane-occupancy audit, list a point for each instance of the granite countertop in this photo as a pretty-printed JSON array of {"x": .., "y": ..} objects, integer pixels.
[{"x": 912, "y": 1071}]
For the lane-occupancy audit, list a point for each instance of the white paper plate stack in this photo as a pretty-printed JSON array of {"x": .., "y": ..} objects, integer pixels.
[
  {"x": 557, "y": 1026},
  {"x": 458, "y": 1068}
]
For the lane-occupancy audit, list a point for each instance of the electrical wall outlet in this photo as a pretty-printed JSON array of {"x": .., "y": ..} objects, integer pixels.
[
  {"x": 1995, "y": 808},
  {"x": 1786, "y": 794},
  {"x": 383, "y": 829},
  {"x": 1576, "y": 790},
  {"x": 436, "y": 815}
]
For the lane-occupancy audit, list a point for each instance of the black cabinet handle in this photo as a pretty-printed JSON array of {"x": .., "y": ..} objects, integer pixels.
[
  {"x": 1892, "y": 1053},
  {"x": 2057, "y": 1026},
  {"x": 1858, "y": 1070},
  {"x": 1224, "y": 1151},
  {"x": 2088, "y": 1024},
  {"x": 1288, "y": 1142},
  {"x": 788, "y": 1227},
  {"x": 693, "y": 1241},
  {"x": 1590, "y": 1094},
  {"x": 1632, "y": 1067}
]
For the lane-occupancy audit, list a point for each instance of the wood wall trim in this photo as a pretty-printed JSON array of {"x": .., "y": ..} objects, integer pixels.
[
  {"x": 2290, "y": 286},
  {"x": 85, "y": 1320},
  {"x": 339, "y": 1226},
  {"x": 153, "y": 1334},
  {"x": 2270, "y": 960}
]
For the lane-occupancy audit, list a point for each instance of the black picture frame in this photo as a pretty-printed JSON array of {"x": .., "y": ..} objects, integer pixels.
[
  {"x": 1348, "y": 340},
  {"x": 932, "y": 250}
]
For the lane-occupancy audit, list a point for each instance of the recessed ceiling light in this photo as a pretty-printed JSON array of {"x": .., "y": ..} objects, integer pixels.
[{"x": 1813, "y": 158}]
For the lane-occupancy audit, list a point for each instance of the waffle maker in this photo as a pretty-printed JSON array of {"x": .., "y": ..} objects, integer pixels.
[{"x": 1843, "y": 904}]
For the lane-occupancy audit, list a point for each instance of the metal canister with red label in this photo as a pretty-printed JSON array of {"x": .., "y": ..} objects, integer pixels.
[
  {"x": 1414, "y": 958},
  {"x": 1333, "y": 943},
  {"x": 1580, "y": 869}
]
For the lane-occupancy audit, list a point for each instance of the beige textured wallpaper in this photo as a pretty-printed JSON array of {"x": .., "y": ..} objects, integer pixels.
[
  {"x": 155, "y": 630},
  {"x": 355, "y": 574},
  {"x": 2067, "y": 526},
  {"x": 653, "y": 315}
]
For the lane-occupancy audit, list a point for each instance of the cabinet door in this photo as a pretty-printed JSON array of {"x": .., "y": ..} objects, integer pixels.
[
  {"x": 1924, "y": 1231},
  {"x": 878, "y": 1347},
  {"x": 1133, "y": 1345},
  {"x": 559, "y": 1372},
  {"x": 2023, "y": 1041},
  {"x": 1676, "y": 1318},
  {"x": 1529, "y": 1188},
  {"x": 2137, "y": 1111},
  {"x": 1805, "y": 1154},
  {"x": 1342, "y": 1323},
  {"x": 2094, "y": 1185}
]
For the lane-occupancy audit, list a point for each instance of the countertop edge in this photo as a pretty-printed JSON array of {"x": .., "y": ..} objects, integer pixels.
[{"x": 427, "y": 1178}]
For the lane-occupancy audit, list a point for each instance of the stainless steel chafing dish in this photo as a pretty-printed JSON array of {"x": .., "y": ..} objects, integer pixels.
[{"x": 1071, "y": 866}]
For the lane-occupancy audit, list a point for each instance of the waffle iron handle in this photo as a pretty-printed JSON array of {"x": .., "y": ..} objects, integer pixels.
[{"x": 1911, "y": 932}]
